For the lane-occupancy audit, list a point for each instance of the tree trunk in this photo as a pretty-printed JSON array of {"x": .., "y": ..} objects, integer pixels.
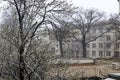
[
  {"x": 60, "y": 39},
  {"x": 21, "y": 63},
  {"x": 84, "y": 46},
  {"x": 21, "y": 51},
  {"x": 61, "y": 48}
]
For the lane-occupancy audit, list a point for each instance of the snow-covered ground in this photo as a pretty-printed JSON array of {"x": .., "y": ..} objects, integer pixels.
[{"x": 72, "y": 61}]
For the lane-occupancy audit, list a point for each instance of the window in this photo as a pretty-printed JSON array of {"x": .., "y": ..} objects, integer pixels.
[
  {"x": 57, "y": 45},
  {"x": 77, "y": 53},
  {"x": 117, "y": 46},
  {"x": 72, "y": 51},
  {"x": 108, "y": 45},
  {"x": 108, "y": 53},
  {"x": 88, "y": 45},
  {"x": 101, "y": 53},
  {"x": 77, "y": 45},
  {"x": 88, "y": 52},
  {"x": 100, "y": 45},
  {"x": 93, "y": 45},
  {"x": 118, "y": 37},
  {"x": 101, "y": 38},
  {"x": 117, "y": 54},
  {"x": 108, "y": 37},
  {"x": 93, "y": 53}
]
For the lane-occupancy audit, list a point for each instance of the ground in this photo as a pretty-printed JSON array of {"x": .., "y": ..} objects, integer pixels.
[{"x": 101, "y": 68}]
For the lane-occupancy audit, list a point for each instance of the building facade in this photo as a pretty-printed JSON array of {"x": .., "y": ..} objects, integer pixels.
[{"x": 105, "y": 46}]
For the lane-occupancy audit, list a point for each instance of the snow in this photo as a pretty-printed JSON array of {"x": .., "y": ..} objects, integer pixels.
[
  {"x": 109, "y": 79},
  {"x": 117, "y": 74},
  {"x": 72, "y": 61}
]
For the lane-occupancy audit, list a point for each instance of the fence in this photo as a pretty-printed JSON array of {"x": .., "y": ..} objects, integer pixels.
[{"x": 85, "y": 71}]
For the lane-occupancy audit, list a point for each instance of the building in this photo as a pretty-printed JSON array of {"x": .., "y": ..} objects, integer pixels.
[{"x": 105, "y": 46}]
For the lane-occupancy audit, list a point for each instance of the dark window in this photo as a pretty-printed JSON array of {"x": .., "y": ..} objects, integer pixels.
[
  {"x": 77, "y": 53},
  {"x": 108, "y": 45},
  {"x": 72, "y": 51},
  {"x": 118, "y": 37},
  {"x": 100, "y": 45},
  {"x": 101, "y": 53},
  {"x": 108, "y": 53},
  {"x": 88, "y": 53},
  {"x": 93, "y": 53},
  {"x": 102, "y": 38},
  {"x": 93, "y": 45},
  {"x": 117, "y": 54},
  {"x": 108, "y": 37},
  {"x": 88, "y": 45},
  {"x": 117, "y": 46}
]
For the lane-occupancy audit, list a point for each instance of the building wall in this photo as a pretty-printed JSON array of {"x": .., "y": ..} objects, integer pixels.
[{"x": 103, "y": 47}]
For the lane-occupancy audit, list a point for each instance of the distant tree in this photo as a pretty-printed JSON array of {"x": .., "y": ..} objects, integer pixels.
[
  {"x": 114, "y": 20},
  {"x": 61, "y": 31},
  {"x": 85, "y": 21},
  {"x": 61, "y": 26}
]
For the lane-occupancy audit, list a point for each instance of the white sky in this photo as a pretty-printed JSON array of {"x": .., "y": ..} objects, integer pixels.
[
  {"x": 4, "y": 11},
  {"x": 107, "y": 6}
]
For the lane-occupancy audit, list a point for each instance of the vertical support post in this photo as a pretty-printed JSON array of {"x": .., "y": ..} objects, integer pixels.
[{"x": 119, "y": 6}]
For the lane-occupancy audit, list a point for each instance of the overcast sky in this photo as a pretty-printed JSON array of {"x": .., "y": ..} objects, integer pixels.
[
  {"x": 4, "y": 11},
  {"x": 107, "y": 6}
]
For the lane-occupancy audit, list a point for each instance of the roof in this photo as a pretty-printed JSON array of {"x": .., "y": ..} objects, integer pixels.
[
  {"x": 109, "y": 79},
  {"x": 117, "y": 74}
]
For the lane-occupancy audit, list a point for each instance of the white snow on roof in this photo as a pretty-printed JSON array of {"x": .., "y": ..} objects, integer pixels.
[
  {"x": 118, "y": 74},
  {"x": 109, "y": 79}
]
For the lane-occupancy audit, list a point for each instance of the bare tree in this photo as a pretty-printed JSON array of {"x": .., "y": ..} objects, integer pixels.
[
  {"x": 61, "y": 31},
  {"x": 30, "y": 17},
  {"x": 114, "y": 20},
  {"x": 61, "y": 26},
  {"x": 36, "y": 58},
  {"x": 85, "y": 21}
]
